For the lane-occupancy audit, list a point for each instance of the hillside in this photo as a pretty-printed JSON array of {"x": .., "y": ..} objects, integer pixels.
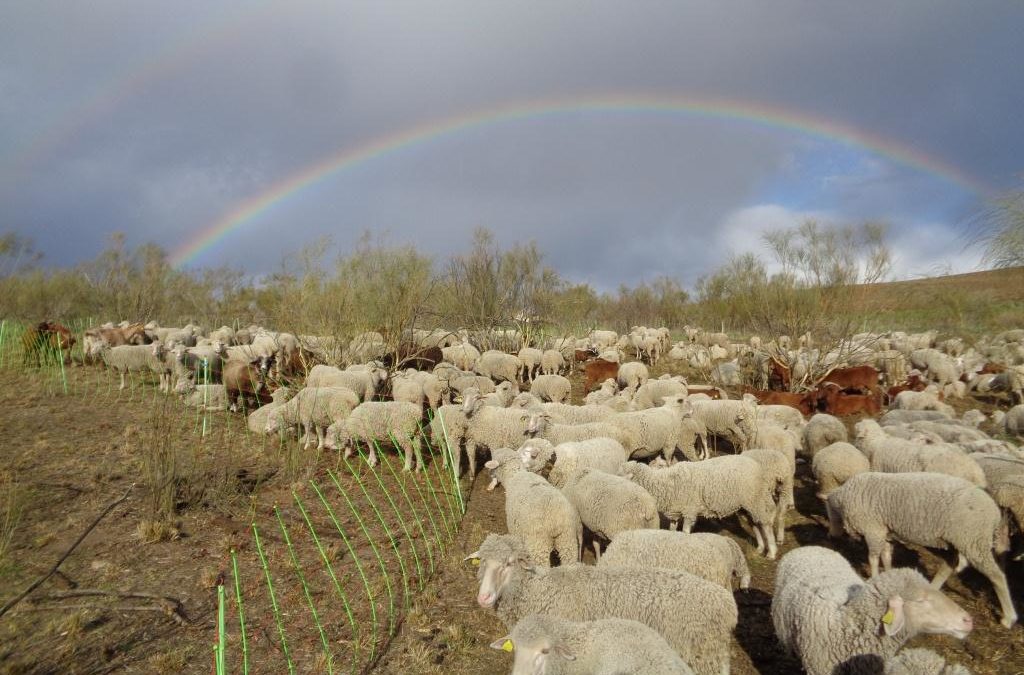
[{"x": 970, "y": 303}]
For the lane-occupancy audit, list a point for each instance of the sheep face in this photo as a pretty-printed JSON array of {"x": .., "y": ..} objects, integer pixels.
[
  {"x": 923, "y": 609},
  {"x": 497, "y": 574}
]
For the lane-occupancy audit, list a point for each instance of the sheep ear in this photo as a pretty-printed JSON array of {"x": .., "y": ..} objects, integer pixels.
[
  {"x": 564, "y": 652},
  {"x": 503, "y": 644},
  {"x": 475, "y": 555},
  {"x": 491, "y": 464},
  {"x": 894, "y": 617},
  {"x": 525, "y": 563}
]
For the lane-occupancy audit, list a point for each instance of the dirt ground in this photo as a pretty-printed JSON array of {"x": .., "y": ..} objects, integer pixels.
[{"x": 74, "y": 454}]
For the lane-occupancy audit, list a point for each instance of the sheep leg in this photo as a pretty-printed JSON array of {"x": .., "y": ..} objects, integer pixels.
[
  {"x": 887, "y": 556},
  {"x": 418, "y": 450},
  {"x": 766, "y": 528},
  {"x": 122, "y": 380},
  {"x": 758, "y": 538},
  {"x": 780, "y": 520},
  {"x": 597, "y": 550},
  {"x": 875, "y": 547},
  {"x": 319, "y": 436},
  {"x": 987, "y": 566},
  {"x": 471, "y": 457},
  {"x": 372, "y": 459},
  {"x": 688, "y": 522}
]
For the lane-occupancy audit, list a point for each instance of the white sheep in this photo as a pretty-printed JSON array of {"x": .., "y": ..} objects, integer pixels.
[
  {"x": 541, "y": 426},
  {"x": 492, "y": 427},
  {"x": 608, "y": 504},
  {"x": 654, "y": 431},
  {"x": 256, "y": 422},
  {"x": 904, "y": 416},
  {"x": 696, "y": 617},
  {"x": 313, "y": 410},
  {"x": 632, "y": 375},
  {"x": 364, "y": 382},
  {"x": 554, "y": 646},
  {"x": 530, "y": 358},
  {"x": 926, "y": 509},
  {"x": 921, "y": 400},
  {"x": 714, "y": 557},
  {"x": 652, "y": 393},
  {"x": 204, "y": 396},
  {"x": 733, "y": 421},
  {"x": 552, "y": 362},
  {"x": 553, "y": 388},
  {"x": 717, "y": 487},
  {"x": 889, "y": 454},
  {"x": 498, "y": 366},
  {"x": 448, "y": 432},
  {"x": 835, "y": 464},
  {"x": 777, "y": 468},
  {"x": 134, "y": 359},
  {"x": 603, "y": 454},
  {"x": 1005, "y": 477},
  {"x": 535, "y": 511},
  {"x": 604, "y": 393},
  {"x": 464, "y": 355},
  {"x": 822, "y": 430},
  {"x": 373, "y": 422},
  {"x": 921, "y": 662},
  {"x": 836, "y": 622}
]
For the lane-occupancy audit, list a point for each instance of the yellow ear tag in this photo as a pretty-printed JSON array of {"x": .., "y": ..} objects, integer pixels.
[
  {"x": 507, "y": 646},
  {"x": 888, "y": 617},
  {"x": 476, "y": 562}
]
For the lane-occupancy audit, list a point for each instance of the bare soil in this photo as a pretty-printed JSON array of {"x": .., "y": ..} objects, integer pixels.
[{"x": 74, "y": 453}]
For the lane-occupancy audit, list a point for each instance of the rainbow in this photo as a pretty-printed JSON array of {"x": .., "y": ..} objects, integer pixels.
[{"x": 760, "y": 114}]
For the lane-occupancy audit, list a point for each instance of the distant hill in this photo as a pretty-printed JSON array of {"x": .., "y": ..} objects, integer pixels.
[{"x": 972, "y": 303}]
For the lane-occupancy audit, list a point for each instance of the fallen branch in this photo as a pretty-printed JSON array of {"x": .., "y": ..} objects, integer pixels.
[
  {"x": 173, "y": 615},
  {"x": 38, "y": 582}
]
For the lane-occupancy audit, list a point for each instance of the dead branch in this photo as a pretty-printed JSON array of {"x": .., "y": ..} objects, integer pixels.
[{"x": 38, "y": 582}]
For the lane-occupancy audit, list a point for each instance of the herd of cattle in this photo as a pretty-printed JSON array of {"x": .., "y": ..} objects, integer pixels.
[{"x": 640, "y": 452}]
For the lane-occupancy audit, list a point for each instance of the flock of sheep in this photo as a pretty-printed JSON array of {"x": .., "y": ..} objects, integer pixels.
[{"x": 641, "y": 452}]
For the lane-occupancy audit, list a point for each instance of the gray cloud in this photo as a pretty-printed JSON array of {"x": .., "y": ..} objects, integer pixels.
[{"x": 157, "y": 119}]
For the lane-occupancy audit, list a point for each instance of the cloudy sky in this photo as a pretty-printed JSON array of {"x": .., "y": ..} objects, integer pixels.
[{"x": 629, "y": 139}]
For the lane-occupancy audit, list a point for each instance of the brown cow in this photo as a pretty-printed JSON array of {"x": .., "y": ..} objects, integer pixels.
[
  {"x": 409, "y": 355},
  {"x": 778, "y": 375},
  {"x": 854, "y": 378},
  {"x": 805, "y": 402},
  {"x": 833, "y": 401},
  {"x": 597, "y": 371},
  {"x": 46, "y": 341}
]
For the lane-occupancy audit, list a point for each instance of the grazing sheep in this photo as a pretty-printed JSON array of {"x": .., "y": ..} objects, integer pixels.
[
  {"x": 653, "y": 431},
  {"x": 553, "y": 388},
  {"x": 926, "y": 509},
  {"x": 905, "y": 416},
  {"x": 363, "y": 382},
  {"x": 696, "y": 617},
  {"x": 714, "y": 557},
  {"x": 632, "y": 375},
  {"x": 606, "y": 392},
  {"x": 1013, "y": 421},
  {"x": 448, "y": 431},
  {"x": 609, "y": 504},
  {"x": 921, "y": 662},
  {"x": 528, "y": 496},
  {"x": 836, "y": 622},
  {"x": 464, "y": 355},
  {"x": 552, "y": 362},
  {"x": 653, "y": 392},
  {"x": 921, "y": 400},
  {"x": 554, "y": 646},
  {"x": 134, "y": 359},
  {"x": 212, "y": 397},
  {"x": 373, "y": 422},
  {"x": 602, "y": 454},
  {"x": 787, "y": 417},
  {"x": 256, "y": 422},
  {"x": 498, "y": 366},
  {"x": 492, "y": 427},
  {"x": 530, "y": 358},
  {"x": 1005, "y": 477},
  {"x": 717, "y": 487},
  {"x": 777, "y": 468},
  {"x": 313, "y": 410},
  {"x": 732, "y": 421},
  {"x": 200, "y": 364},
  {"x": 889, "y": 454},
  {"x": 835, "y": 464}
]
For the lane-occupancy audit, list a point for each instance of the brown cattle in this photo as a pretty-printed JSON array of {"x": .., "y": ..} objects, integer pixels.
[
  {"x": 805, "y": 402},
  {"x": 409, "y": 355},
  {"x": 833, "y": 401},
  {"x": 854, "y": 378},
  {"x": 47, "y": 341},
  {"x": 597, "y": 371}
]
